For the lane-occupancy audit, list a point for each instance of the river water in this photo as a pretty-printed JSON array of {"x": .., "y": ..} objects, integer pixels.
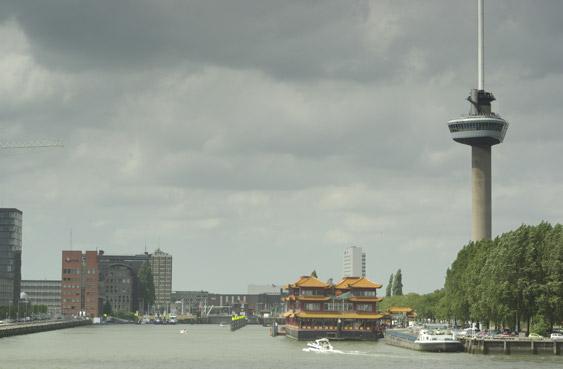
[{"x": 212, "y": 346}]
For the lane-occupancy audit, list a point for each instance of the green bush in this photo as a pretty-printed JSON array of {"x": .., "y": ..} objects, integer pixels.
[{"x": 540, "y": 326}]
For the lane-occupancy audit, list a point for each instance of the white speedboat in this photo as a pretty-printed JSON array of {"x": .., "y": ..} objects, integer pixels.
[
  {"x": 183, "y": 331},
  {"x": 320, "y": 345}
]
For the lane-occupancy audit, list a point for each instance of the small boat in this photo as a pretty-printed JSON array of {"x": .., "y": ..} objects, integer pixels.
[
  {"x": 320, "y": 345},
  {"x": 183, "y": 331}
]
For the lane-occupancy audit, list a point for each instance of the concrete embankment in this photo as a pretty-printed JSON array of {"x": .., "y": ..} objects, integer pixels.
[
  {"x": 512, "y": 346},
  {"x": 18, "y": 329}
]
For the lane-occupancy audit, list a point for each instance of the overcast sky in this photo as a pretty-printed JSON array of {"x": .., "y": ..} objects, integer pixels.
[{"x": 255, "y": 140}]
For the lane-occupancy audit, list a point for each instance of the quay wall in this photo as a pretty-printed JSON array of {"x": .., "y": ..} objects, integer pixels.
[
  {"x": 512, "y": 346},
  {"x": 19, "y": 329}
]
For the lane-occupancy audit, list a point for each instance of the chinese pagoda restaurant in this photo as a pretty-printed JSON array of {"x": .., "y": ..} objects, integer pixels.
[{"x": 346, "y": 310}]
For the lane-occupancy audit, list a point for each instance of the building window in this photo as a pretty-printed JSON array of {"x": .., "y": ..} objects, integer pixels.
[
  {"x": 312, "y": 292},
  {"x": 367, "y": 293},
  {"x": 364, "y": 307},
  {"x": 312, "y": 306}
]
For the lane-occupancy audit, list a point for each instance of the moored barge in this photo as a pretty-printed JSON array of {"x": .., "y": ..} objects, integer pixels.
[{"x": 431, "y": 340}]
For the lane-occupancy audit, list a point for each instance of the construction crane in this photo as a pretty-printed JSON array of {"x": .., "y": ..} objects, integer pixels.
[{"x": 37, "y": 144}]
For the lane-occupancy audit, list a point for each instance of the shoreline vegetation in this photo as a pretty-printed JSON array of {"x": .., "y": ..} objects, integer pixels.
[{"x": 514, "y": 281}]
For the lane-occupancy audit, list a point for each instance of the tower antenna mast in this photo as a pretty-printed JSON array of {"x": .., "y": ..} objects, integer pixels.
[
  {"x": 480, "y": 45},
  {"x": 481, "y": 129}
]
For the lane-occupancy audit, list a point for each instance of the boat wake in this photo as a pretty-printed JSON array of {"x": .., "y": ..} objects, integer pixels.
[
  {"x": 356, "y": 353},
  {"x": 352, "y": 352}
]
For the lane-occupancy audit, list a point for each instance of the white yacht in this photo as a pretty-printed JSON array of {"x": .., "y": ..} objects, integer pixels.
[{"x": 320, "y": 345}]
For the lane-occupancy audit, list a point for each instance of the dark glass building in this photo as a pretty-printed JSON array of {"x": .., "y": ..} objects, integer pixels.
[{"x": 10, "y": 255}]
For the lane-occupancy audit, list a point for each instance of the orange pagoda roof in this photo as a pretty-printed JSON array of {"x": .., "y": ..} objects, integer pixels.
[
  {"x": 356, "y": 282},
  {"x": 400, "y": 309},
  {"x": 308, "y": 282}
]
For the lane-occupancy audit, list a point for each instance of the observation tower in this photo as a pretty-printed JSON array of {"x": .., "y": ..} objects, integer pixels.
[{"x": 481, "y": 129}]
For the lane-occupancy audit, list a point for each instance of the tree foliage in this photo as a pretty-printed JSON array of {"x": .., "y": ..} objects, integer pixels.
[
  {"x": 388, "y": 289},
  {"x": 509, "y": 280},
  {"x": 398, "y": 284},
  {"x": 12, "y": 311},
  {"x": 429, "y": 306},
  {"x": 106, "y": 309},
  {"x": 146, "y": 283}
]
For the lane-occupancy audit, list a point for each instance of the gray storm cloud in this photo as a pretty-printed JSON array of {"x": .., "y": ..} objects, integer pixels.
[{"x": 272, "y": 133}]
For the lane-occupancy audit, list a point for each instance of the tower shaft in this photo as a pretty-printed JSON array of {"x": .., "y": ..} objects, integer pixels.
[
  {"x": 481, "y": 192},
  {"x": 481, "y": 129}
]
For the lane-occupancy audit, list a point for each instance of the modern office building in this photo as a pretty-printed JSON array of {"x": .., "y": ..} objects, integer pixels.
[
  {"x": 44, "y": 292},
  {"x": 161, "y": 266},
  {"x": 10, "y": 255},
  {"x": 480, "y": 129},
  {"x": 80, "y": 286},
  {"x": 354, "y": 262}
]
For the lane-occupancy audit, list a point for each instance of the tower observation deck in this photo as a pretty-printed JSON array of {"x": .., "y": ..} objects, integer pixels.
[{"x": 480, "y": 129}]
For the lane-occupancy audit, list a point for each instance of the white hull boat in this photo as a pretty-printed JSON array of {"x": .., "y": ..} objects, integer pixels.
[{"x": 321, "y": 345}]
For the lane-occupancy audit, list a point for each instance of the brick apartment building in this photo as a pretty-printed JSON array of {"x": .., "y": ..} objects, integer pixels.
[{"x": 80, "y": 284}]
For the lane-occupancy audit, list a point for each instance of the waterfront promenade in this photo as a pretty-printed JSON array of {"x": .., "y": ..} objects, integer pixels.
[{"x": 8, "y": 330}]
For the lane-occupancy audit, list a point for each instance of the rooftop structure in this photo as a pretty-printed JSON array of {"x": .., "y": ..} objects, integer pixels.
[{"x": 480, "y": 129}]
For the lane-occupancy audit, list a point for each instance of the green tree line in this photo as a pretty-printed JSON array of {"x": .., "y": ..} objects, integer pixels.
[
  {"x": 515, "y": 278},
  {"x": 395, "y": 285},
  {"x": 24, "y": 310},
  {"x": 514, "y": 281}
]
